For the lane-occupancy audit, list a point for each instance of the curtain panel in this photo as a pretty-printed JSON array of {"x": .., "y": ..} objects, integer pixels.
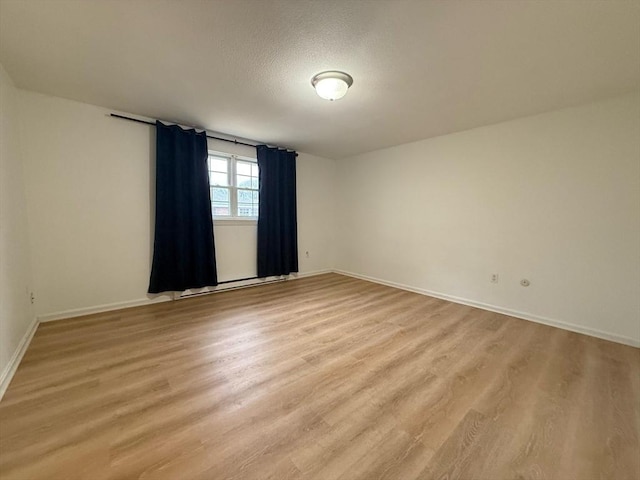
[
  {"x": 184, "y": 248},
  {"x": 277, "y": 215}
]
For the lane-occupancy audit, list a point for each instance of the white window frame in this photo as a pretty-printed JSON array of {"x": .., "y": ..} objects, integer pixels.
[{"x": 233, "y": 188}]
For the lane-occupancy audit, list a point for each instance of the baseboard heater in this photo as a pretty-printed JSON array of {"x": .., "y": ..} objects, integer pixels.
[{"x": 231, "y": 286}]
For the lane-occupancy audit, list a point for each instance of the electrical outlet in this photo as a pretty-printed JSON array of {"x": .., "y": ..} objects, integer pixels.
[{"x": 494, "y": 278}]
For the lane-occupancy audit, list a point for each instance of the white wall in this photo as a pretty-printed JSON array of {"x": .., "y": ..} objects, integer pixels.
[
  {"x": 553, "y": 198},
  {"x": 90, "y": 195},
  {"x": 16, "y": 313}
]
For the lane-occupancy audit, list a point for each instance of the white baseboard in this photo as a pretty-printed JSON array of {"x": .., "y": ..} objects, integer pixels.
[
  {"x": 312, "y": 274},
  {"x": 79, "y": 312},
  {"x": 506, "y": 311},
  {"x": 10, "y": 370},
  {"x": 252, "y": 282}
]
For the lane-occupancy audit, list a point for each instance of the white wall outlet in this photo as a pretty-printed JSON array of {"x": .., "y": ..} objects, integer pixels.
[{"x": 494, "y": 278}]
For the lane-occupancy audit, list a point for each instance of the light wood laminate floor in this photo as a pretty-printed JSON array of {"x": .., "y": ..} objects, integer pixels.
[{"x": 326, "y": 377}]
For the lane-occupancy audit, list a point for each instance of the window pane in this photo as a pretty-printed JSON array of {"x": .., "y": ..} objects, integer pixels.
[
  {"x": 254, "y": 169},
  {"x": 220, "y": 209},
  {"x": 244, "y": 182},
  {"x": 254, "y": 182},
  {"x": 218, "y": 164},
  {"x": 245, "y": 196},
  {"x": 216, "y": 178},
  {"x": 219, "y": 194},
  {"x": 243, "y": 168},
  {"x": 245, "y": 211},
  {"x": 247, "y": 203}
]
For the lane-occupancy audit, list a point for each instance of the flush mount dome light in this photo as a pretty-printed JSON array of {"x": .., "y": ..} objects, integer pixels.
[{"x": 332, "y": 85}]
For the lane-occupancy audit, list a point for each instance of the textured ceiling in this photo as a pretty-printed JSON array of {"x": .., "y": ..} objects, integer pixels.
[{"x": 421, "y": 68}]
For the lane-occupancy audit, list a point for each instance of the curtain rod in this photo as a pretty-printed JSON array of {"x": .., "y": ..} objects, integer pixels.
[{"x": 234, "y": 141}]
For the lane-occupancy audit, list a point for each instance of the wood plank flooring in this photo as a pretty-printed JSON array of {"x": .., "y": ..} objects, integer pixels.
[{"x": 326, "y": 377}]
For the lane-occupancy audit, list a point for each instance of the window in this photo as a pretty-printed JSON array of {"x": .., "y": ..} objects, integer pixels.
[{"x": 234, "y": 186}]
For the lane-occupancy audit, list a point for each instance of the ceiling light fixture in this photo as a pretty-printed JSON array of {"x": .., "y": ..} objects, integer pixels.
[{"x": 332, "y": 85}]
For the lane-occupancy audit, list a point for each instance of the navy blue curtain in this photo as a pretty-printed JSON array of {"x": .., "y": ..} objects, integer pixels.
[
  {"x": 277, "y": 218},
  {"x": 183, "y": 249}
]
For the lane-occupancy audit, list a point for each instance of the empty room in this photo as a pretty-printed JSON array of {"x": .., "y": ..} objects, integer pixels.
[{"x": 320, "y": 239}]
